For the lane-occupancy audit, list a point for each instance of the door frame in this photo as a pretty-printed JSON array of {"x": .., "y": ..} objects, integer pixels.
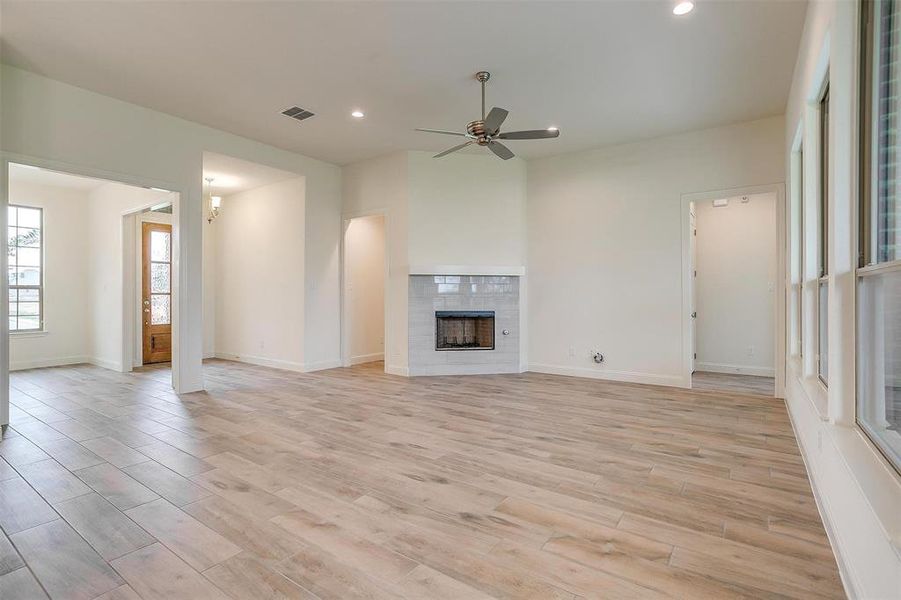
[
  {"x": 132, "y": 332},
  {"x": 779, "y": 291},
  {"x": 148, "y": 227},
  {"x": 693, "y": 285},
  {"x": 346, "y": 218}
]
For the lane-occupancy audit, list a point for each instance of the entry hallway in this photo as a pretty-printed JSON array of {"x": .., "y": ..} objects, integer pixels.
[{"x": 351, "y": 483}]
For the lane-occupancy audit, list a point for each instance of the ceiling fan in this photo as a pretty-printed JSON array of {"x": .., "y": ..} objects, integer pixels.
[{"x": 487, "y": 130}]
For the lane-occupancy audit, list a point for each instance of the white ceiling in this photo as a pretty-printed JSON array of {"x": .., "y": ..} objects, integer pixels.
[
  {"x": 26, "y": 174},
  {"x": 233, "y": 175},
  {"x": 604, "y": 72}
]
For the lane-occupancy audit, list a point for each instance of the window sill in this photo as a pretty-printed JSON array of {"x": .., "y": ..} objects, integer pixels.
[{"x": 28, "y": 334}]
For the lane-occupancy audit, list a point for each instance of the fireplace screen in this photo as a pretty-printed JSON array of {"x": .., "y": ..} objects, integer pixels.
[{"x": 464, "y": 330}]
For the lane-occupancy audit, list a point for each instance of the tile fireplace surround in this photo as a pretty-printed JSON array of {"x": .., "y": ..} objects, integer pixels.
[{"x": 432, "y": 293}]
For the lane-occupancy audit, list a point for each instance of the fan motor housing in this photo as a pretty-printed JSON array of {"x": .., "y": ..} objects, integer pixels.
[{"x": 476, "y": 129}]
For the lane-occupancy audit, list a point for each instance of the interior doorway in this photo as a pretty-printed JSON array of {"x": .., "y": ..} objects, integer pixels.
[
  {"x": 365, "y": 270},
  {"x": 66, "y": 291},
  {"x": 732, "y": 281}
]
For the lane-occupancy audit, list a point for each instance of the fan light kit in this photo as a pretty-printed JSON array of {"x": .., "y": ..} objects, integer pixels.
[
  {"x": 683, "y": 8},
  {"x": 215, "y": 201},
  {"x": 487, "y": 130}
]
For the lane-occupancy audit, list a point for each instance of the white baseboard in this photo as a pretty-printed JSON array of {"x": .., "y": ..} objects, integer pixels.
[
  {"x": 262, "y": 361},
  {"x": 112, "y": 365},
  {"x": 603, "y": 373},
  {"x": 395, "y": 370},
  {"x": 321, "y": 365},
  {"x": 366, "y": 358},
  {"x": 735, "y": 369},
  {"x": 40, "y": 363},
  {"x": 275, "y": 363}
]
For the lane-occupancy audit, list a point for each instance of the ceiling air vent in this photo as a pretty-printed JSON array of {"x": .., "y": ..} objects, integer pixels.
[{"x": 296, "y": 112}]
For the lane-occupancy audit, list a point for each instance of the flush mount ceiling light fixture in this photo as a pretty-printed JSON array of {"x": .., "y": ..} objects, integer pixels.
[
  {"x": 357, "y": 114},
  {"x": 683, "y": 7},
  {"x": 215, "y": 201},
  {"x": 487, "y": 130}
]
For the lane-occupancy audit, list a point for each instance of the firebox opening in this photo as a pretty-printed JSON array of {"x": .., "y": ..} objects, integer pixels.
[{"x": 464, "y": 330}]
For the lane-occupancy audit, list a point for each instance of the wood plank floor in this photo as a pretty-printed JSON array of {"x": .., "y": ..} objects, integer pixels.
[
  {"x": 733, "y": 382},
  {"x": 351, "y": 483}
]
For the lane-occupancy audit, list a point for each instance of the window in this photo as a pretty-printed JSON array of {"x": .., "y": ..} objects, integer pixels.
[
  {"x": 879, "y": 267},
  {"x": 823, "y": 244},
  {"x": 26, "y": 281}
]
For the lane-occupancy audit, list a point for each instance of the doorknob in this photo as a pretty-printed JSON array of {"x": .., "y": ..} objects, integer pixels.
[
  {"x": 694, "y": 315},
  {"x": 146, "y": 302}
]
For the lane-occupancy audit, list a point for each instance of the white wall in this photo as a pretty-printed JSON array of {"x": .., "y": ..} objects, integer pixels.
[
  {"x": 109, "y": 249},
  {"x": 259, "y": 283},
  {"x": 736, "y": 265},
  {"x": 57, "y": 125},
  {"x": 467, "y": 209},
  {"x": 604, "y": 238},
  {"x": 857, "y": 491},
  {"x": 65, "y": 337},
  {"x": 364, "y": 288}
]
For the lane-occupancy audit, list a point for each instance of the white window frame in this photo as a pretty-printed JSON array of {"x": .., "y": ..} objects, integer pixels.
[{"x": 40, "y": 286}]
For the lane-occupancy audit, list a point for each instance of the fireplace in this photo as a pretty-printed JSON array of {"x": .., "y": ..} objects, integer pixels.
[
  {"x": 464, "y": 330},
  {"x": 463, "y": 325}
]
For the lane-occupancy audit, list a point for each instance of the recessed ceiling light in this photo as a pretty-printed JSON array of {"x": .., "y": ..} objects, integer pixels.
[
  {"x": 683, "y": 8},
  {"x": 357, "y": 114},
  {"x": 552, "y": 128}
]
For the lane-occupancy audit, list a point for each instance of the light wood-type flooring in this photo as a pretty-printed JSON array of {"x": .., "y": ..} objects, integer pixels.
[
  {"x": 350, "y": 483},
  {"x": 733, "y": 382}
]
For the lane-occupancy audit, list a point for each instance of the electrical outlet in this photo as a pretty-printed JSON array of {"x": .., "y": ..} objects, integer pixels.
[
  {"x": 750, "y": 350},
  {"x": 572, "y": 351}
]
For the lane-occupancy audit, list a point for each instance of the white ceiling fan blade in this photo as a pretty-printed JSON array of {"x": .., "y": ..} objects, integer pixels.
[
  {"x": 494, "y": 119},
  {"x": 440, "y": 131},
  {"x": 454, "y": 149},
  {"x": 532, "y": 134},
  {"x": 501, "y": 150}
]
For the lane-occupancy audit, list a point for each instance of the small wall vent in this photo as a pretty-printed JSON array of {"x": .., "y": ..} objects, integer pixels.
[{"x": 298, "y": 113}]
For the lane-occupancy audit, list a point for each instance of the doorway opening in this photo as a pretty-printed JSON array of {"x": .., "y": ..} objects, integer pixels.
[
  {"x": 253, "y": 263},
  {"x": 67, "y": 290},
  {"x": 365, "y": 271},
  {"x": 733, "y": 275}
]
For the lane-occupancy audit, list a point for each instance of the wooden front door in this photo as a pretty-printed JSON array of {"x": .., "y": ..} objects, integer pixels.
[{"x": 156, "y": 301}]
